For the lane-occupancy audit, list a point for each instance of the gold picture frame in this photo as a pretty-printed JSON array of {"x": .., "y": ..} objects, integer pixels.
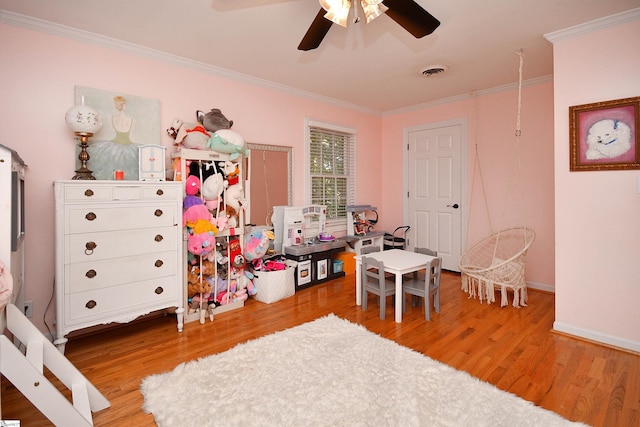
[{"x": 604, "y": 135}]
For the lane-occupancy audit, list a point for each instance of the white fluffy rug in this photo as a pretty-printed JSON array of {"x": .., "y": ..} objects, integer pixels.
[{"x": 330, "y": 372}]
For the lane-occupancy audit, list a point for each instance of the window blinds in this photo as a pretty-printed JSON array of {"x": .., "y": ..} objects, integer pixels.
[{"x": 332, "y": 170}]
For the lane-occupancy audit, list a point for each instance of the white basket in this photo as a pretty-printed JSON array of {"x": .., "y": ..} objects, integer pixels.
[{"x": 273, "y": 286}]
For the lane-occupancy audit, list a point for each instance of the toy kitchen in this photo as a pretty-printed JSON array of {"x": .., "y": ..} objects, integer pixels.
[
  {"x": 300, "y": 236},
  {"x": 361, "y": 233}
]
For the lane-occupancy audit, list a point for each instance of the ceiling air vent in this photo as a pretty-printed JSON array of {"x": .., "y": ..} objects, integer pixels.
[{"x": 433, "y": 70}]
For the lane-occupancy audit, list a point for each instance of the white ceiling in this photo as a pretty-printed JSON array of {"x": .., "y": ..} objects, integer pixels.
[{"x": 375, "y": 66}]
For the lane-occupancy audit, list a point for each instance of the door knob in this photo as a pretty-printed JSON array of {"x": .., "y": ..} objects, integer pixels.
[{"x": 454, "y": 206}]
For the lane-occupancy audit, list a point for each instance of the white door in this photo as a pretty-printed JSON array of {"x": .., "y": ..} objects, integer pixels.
[{"x": 435, "y": 188}]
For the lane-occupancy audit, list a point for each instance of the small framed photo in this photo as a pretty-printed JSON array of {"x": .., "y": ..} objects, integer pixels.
[{"x": 604, "y": 135}]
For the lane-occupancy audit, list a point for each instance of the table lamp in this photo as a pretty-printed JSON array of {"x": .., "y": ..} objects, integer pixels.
[{"x": 84, "y": 121}]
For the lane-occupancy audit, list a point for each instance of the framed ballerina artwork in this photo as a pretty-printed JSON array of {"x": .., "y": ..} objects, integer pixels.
[
  {"x": 604, "y": 135},
  {"x": 128, "y": 122}
]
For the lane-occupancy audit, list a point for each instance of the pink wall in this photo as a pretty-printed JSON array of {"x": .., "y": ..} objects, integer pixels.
[
  {"x": 39, "y": 82},
  {"x": 37, "y": 77},
  {"x": 491, "y": 122},
  {"x": 597, "y": 226}
]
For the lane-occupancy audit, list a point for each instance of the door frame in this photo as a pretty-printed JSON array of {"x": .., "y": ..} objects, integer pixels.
[{"x": 464, "y": 170}]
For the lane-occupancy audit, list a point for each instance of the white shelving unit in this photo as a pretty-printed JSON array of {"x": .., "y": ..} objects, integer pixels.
[{"x": 184, "y": 158}]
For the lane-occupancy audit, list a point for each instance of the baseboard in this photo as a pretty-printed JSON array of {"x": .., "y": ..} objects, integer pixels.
[
  {"x": 598, "y": 337},
  {"x": 541, "y": 287}
]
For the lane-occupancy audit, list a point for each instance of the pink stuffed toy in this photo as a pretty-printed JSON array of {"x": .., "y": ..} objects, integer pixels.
[
  {"x": 194, "y": 214},
  {"x": 257, "y": 244},
  {"x": 201, "y": 244},
  {"x": 191, "y": 188}
]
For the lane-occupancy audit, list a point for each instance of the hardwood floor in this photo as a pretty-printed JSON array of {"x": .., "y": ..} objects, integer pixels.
[{"x": 513, "y": 349}]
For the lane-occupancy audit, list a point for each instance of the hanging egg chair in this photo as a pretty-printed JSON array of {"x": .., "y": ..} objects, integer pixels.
[{"x": 498, "y": 260}]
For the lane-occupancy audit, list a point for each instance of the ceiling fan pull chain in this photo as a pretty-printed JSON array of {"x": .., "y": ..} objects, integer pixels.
[{"x": 356, "y": 18}]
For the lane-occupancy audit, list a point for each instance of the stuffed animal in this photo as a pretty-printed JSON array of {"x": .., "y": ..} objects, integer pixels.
[
  {"x": 208, "y": 268},
  {"x": 231, "y": 217},
  {"x": 214, "y": 120},
  {"x": 234, "y": 197},
  {"x": 212, "y": 189},
  {"x": 257, "y": 244},
  {"x": 222, "y": 252},
  {"x": 201, "y": 244},
  {"x": 203, "y": 226},
  {"x": 235, "y": 254},
  {"x": 192, "y": 135},
  {"x": 195, "y": 213},
  {"x": 229, "y": 142},
  {"x": 231, "y": 172},
  {"x": 175, "y": 126},
  {"x": 251, "y": 288},
  {"x": 196, "y": 284},
  {"x": 191, "y": 188}
]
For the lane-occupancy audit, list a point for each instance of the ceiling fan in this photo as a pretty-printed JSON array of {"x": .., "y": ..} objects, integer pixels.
[{"x": 407, "y": 13}]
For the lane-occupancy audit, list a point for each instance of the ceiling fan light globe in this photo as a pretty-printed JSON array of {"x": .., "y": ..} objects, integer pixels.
[
  {"x": 326, "y": 4},
  {"x": 371, "y": 12},
  {"x": 338, "y": 11}
]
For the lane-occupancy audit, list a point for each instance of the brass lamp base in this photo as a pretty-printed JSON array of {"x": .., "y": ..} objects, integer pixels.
[{"x": 84, "y": 172}]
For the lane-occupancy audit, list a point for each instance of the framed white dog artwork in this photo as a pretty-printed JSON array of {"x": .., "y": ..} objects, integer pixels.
[{"x": 604, "y": 135}]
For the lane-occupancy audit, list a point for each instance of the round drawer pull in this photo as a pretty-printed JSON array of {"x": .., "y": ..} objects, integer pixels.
[
  {"x": 158, "y": 238},
  {"x": 159, "y": 263},
  {"x": 89, "y": 248},
  {"x": 90, "y": 216},
  {"x": 91, "y": 304},
  {"x": 159, "y": 290},
  {"x": 91, "y": 274},
  {"x": 158, "y": 212},
  {"x": 159, "y": 192},
  {"x": 88, "y": 193}
]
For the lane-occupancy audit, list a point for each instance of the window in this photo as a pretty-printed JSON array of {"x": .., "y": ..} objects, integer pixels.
[{"x": 331, "y": 170}]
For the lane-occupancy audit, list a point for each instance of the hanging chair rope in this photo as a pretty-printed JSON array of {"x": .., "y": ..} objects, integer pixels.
[
  {"x": 477, "y": 165},
  {"x": 517, "y": 164},
  {"x": 498, "y": 260}
]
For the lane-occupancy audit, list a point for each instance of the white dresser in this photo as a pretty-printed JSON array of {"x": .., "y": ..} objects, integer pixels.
[{"x": 118, "y": 252}]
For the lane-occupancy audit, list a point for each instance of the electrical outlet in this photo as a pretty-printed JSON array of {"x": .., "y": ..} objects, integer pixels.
[{"x": 28, "y": 309}]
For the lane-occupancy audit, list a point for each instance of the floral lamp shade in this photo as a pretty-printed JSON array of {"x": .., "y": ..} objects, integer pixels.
[{"x": 83, "y": 119}]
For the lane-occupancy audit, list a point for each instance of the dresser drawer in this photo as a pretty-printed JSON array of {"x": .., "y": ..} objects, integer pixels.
[
  {"x": 162, "y": 191},
  {"x": 118, "y": 271},
  {"x": 119, "y": 302},
  {"x": 90, "y": 219},
  {"x": 87, "y": 192},
  {"x": 86, "y": 247}
]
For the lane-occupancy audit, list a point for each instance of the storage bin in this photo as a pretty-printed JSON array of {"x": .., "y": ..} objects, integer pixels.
[
  {"x": 273, "y": 286},
  {"x": 348, "y": 262},
  {"x": 337, "y": 266}
]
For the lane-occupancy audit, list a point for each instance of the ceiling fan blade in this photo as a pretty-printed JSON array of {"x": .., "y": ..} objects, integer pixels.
[
  {"x": 412, "y": 17},
  {"x": 316, "y": 32}
]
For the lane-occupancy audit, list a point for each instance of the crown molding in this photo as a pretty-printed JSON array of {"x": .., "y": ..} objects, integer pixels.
[
  {"x": 595, "y": 25},
  {"x": 40, "y": 25},
  {"x": 464, "y": 96}
]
